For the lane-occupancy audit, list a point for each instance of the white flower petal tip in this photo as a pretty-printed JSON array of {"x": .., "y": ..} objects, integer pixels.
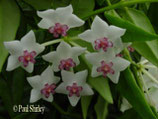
[
  {"x": 59, "y": 19},
  {"x": 125, "y": 105},
  {"x": 102, "y": 36},
  {"x": 43, "y": 85},
  {"x": 74, "y": 85},
  {"x": 65, "y": 57},
  {"x": 23, "y": 52}
]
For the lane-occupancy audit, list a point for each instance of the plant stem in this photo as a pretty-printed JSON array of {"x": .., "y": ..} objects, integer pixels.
[
  {"x": 117, "y": 5},
  {"x": 52, "y": 42},
  {"x": 150, "y": 76}
]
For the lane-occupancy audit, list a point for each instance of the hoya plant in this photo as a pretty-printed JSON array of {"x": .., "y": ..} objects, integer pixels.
[{"x": 78, "y": 59}]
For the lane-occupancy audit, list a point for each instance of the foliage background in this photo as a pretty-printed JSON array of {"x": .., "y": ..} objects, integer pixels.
[{"x": 17, "y": 17}]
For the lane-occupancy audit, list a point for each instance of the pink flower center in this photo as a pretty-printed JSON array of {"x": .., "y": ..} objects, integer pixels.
[
  {"x": 74, "y": 90},
  {"x": 67, "y": 64},
  {"x": 48, "y": 89},
  {"x": 58, "y": 30},
  {"x": 106, "y": 68},
  {"x": 131, "y": 49},
  {"x": 27, "y": 57},
  {"x": 119, "y": 55},
  {"x": 103, "y": 43}
]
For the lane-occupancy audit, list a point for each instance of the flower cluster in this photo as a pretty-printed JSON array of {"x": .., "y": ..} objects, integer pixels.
[{"x": 105, "y": 39}]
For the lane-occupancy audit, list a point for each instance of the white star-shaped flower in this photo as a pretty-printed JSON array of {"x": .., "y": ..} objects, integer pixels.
[
  {"x": 23, "y": 52},
  {"x": 43, "y": 86},
  {"x": 59, "y": 21},
  {"x": 106, "y": 64},
  {"x": 103, "y": 37},
  {"x": 74, "y": 85},
  {"x": 65, "y": 57}
]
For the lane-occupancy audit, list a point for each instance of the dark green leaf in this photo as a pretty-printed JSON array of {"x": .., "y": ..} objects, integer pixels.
[
  {"x": 18, "y": 85},
  {"x": 134, "y": 32},
  {"x": 82, "y": 7},
  {"x": 39, "y": 4},
  {"x": 9, "y": 22},
  {"x": 130, "y": 90},
  {"x": 130, "y": 114},
  {"x": 101, "y": 85},
  {"x": 5, "y": 94},
  {"x": 101, "y": 108},
  {"x": 60, "y": 3},
  {"x": 138, "y": 19},
  {"x": 85, "y": 102}
]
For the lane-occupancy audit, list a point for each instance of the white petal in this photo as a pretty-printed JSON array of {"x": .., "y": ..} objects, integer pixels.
[
  {"x": 74, "y": 21},
  {"x": 35, "y": 95},
  {"x": 94, "y": 58},
  {"x": 86, "y": 90},
  {"x": 94, "y": 72},
  {"x": 45, "y": 14},
  {"x": 12, "y": 63},
  {"x": 67, "y": 77},
  {"x": 50, "y": 57},
  {"x": 80, "y": 77},
  {"x": 36, "y": 82},
  {"x": 99, "y": 27},
  {"x": 73, "y": 100},
  {"x": 64, "y": 50},
  {"x": 114, "y": 77},
  {"x": 62, "y": 88},
  {"x": 125, "y": 105},
  {"x": 115, "y": 32},
  {"x": 153, "y": 92},
  {"x": 65, "y": 10},
  {"x": 54, "y": 58},
  {"x": 120, "y": 64},
  {"x": 45, "y": 24},
  {"x": 49, "y": 99},
  {"x": 63, "y": 14},
  {"x": 29, "y": 68},
  {"x": 118, "y": 45},
  {"x": 77, "y": 51},
  {"x": 29, "y": 43},
  {"x": 48, "y": 76},
  {"x": 88, "y": 36},
  {"x": 14, "y": 47}
]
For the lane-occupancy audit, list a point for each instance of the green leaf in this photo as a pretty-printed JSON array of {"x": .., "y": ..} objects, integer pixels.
[
  {"x": 18, "y": 85},
  {"x": 101, "y": 108},
  {"x": 134, "y": 32},
  {"x": 39, "y": 4},
  {"x": 85, "y": 102},
  {"x": 130, "y": 114},
  {"x": 83, "y": 7},
  {"x": 129, "y": 89},
  {"x": 60, "y": 3},
  {"x": 147, "y": 49},
  {"x": 9, "y": 22},
  {"x": 152, "y": 14},
  {"x": 101, "y": 85},
  {"x": 5, "y": 94}
]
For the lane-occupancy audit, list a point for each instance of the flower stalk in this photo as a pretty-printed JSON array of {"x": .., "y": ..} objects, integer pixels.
[{"x": 117, "y": 5}]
